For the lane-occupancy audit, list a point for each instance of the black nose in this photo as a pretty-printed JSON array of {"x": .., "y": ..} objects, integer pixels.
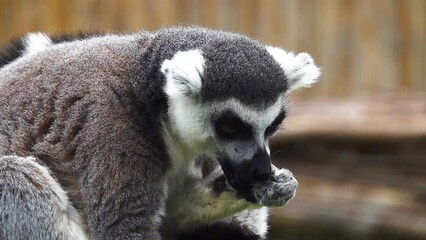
[
  {"x": 261, "y": 166},
  {"x": 242, "y": 176}
]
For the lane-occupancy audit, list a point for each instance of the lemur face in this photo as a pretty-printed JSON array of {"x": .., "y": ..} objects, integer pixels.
[
  {"x": 242, "y": 136},
  {"x": 233, "y": 99}
]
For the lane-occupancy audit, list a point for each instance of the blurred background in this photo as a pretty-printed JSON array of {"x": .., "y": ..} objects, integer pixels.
[{"x": 356, "y": 141}]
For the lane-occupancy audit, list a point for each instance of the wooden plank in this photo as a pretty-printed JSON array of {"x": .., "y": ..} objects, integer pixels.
[{"x": 379, "y": 116}]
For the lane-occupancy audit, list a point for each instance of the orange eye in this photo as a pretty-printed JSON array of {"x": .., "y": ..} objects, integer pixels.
[{"x": 228, "y": 130}]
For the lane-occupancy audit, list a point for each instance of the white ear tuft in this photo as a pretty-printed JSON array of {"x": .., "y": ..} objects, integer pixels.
[
  {"x": 35, "y": 42},
  {"x": 183, "y": 73},
  {"x": 300, "y": 70}
]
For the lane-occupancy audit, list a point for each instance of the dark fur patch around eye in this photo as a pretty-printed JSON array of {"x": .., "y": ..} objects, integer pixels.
[
  {"x": 219, "y": 185},
  {"x": 229, "y": 126},
  {"x": 273, "y": 127}
]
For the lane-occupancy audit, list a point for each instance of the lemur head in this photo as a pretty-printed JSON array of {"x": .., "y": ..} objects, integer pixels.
[{"x": 231, "y": 93}]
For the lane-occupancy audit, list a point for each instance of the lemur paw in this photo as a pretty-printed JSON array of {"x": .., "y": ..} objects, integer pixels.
[{"x": 277, "y": 191}]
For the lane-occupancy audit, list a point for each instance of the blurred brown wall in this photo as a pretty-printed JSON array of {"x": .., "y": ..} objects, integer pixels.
[{"x": 363, "y": 46}]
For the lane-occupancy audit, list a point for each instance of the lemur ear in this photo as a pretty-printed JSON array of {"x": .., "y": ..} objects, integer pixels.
[
  {"x": 35, "y": 42},
  {"x": 299, "y": 69},
  {"x": 184, "y": 73}
]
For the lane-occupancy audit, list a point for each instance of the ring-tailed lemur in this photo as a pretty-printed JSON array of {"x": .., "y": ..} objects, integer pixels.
[
  {"x": 200, "y": 203},
  {"x": 112, "y": 115}
]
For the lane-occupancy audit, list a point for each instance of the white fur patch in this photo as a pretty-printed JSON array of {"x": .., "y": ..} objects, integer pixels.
[
  {"x": 183, "y": 73},
  {"x": 183, "y": 79},
  {"x": 299, "y": 69},
  {"x": 35, "y": 42},
  {"x": 259, "y": 119},
  {"x": 268, "y": 150},
  {"x": 73, "y": 224},
  {"x": 260, "y": 223},
  {"x": 186, "y": 137}
]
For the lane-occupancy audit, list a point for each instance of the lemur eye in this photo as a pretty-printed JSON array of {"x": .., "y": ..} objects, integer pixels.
[
  {"x": 228, "y": 129},
  {"x": 230, "y": 126},
  {"x": 219, "y": 185},
  {"x": 271, "y": 129}
]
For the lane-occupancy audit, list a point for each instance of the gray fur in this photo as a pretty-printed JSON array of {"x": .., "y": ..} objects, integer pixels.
[{"x": 33, "y": 205}]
